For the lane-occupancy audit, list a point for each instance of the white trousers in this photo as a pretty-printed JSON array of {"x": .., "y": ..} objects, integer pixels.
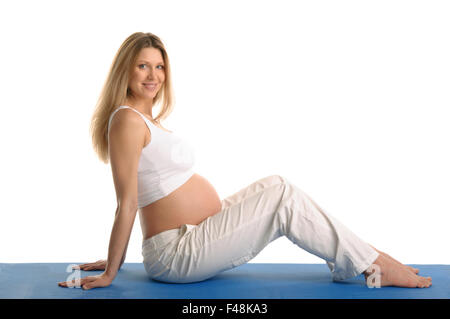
[{"x": 249, "y": 220}]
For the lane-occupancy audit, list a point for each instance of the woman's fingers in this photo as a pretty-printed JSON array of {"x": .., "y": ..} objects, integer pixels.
[
  {"x": 98, "y": 265},
  {"x": 93, "y": 284},
  {"x": 93, "y": 267},
  {"x": 80, "y": 266},
  {"x": 71, "y": 283},
  {"x": 88, "y": 282},
  {"x": 86, "y": 267},
  {"x": 101, "y": 280},
  {"x": 76, "y": 282}
]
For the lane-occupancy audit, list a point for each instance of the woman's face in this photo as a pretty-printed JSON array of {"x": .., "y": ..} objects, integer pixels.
[{"x": 147, "y": 75}]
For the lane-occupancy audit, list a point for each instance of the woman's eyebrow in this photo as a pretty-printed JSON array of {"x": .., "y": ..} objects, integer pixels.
[{"x": 149, "y": 62}]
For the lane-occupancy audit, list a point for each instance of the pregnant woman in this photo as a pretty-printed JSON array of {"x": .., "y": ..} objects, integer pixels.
[{"x": 189, "y": 233}]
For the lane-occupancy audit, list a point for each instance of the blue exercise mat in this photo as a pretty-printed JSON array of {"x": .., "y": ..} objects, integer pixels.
[{"x": 248, "y": 281}]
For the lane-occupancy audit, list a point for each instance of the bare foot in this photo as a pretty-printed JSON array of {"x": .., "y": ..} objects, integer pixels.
[
  {"x": 412, "y": 269},
  {"x": 395, "y": 274}
]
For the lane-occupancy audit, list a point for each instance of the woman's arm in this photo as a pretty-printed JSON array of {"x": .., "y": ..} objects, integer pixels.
[
  {"x": 125, "y": 143},
  {"x": 126, "y": 139},
  {"x": 124, "y": 254},
  {"x": 120, "y": 235},
  {"x": 126, "y": 247}
]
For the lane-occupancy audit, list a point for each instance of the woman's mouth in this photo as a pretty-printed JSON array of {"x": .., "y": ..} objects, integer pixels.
[{"x": 150, "y": 86}]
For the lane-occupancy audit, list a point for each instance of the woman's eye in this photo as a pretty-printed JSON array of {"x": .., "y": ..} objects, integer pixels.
[{"x": 142, "y": 65}]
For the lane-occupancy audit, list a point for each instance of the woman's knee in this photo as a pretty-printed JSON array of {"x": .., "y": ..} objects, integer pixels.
[
  {"x": 275, "y": 186},
  {"x": 289, "y": 189},
  {"x": 280, "y": 179},
  {"x": 276, "y": 179}
]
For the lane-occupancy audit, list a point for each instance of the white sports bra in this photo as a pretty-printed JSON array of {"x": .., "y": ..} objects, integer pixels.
[{"x": 165, "y": 164}]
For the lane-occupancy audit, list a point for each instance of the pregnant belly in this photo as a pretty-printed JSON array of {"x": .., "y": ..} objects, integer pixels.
[{"x": 191, "y": 203}]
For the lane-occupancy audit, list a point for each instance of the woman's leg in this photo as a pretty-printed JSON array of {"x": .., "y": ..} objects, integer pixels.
[
  {"x": 252, "y": 218},
  {"x": 246, "y": 191},
  {"x": 255, "y": 216}
]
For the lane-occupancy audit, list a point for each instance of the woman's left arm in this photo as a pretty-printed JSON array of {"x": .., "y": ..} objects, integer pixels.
[{"x": 120, "y": 235}]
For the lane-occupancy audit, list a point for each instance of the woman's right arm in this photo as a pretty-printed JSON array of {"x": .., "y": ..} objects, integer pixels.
[{"x": 126, "y": 140}]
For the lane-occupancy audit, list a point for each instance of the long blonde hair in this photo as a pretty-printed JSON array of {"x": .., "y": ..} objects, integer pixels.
[{"x": 115, "y": 89}]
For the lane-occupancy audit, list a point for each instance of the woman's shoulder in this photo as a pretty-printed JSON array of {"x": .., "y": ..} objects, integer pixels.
[{"x": 126, "y": 118}]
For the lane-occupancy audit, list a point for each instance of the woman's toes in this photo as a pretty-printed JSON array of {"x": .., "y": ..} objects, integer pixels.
[
  {"x": 424, "y": 282},
  {"x": 421, "y": 283},
  {"x": 415, "y": 270}
]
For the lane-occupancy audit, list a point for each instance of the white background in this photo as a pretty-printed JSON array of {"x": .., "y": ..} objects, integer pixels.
[{"x": 348, "y": 99}]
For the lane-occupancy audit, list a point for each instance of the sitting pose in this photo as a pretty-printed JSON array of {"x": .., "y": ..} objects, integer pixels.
[{"x": 189, "y": 233}]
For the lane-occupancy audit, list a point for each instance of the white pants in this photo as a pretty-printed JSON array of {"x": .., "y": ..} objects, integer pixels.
[{"x": 249, "y": 220}]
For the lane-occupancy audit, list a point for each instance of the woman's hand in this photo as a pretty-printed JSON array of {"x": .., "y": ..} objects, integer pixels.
[
  {"x": 89, "y": 282},
  {"x": 98, "y": 265}
]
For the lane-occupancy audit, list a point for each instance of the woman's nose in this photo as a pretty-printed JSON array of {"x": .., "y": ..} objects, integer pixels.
[{"x": 151, "y": 74}]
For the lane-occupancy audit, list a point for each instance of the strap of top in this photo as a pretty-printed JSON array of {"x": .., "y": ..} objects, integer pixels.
[{"x": 122, "y": 107}]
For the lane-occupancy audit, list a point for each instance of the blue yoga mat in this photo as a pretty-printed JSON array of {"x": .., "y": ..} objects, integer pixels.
[{"x": 248, "y": 281}]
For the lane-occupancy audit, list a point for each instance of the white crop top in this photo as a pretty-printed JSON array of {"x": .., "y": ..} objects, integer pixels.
[{"x": 165, "y": 164}]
